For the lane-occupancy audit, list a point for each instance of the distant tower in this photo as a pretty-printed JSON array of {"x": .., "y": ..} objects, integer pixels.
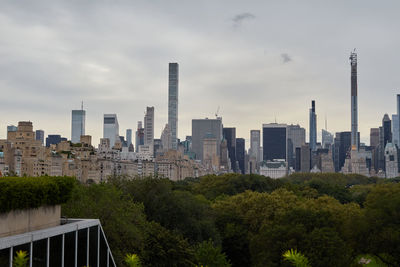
[
  {"x": 128, "y": 137},
  {"x": 354, "y": 116},
  {"x": 149, "y": 128},
  {"x": 173, "y": 92},
  {"x": 111, "y": 128},
  {"x": 313, "y": 127},
  {"x": 139, "y": 136},
  {"x": 78, "y": 125}
]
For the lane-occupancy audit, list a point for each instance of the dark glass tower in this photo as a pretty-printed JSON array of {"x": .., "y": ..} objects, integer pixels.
[
  {"x": 274, "y": 141},
  {"x": 240, "y": 154},
  {"x": 313, "y": 127},
  {"x": 230, "y": 136}
]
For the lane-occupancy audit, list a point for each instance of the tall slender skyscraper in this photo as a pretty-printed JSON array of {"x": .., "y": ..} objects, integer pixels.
[
  {"x": 77, "y": 125},
  {"x": 173, "y": 92},
  {"x": 354, "y": 108},
  {"x": 313, "y": 127}
]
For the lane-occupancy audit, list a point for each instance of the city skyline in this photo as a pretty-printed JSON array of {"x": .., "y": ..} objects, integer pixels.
[{"x": 53, "y": 66}]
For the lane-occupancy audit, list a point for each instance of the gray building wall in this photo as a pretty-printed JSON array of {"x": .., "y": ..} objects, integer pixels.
[{"x": 201, "y": 128}]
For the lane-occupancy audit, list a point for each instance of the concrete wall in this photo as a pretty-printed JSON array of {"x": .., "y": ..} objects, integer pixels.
[{"x": 22, "y": 221}]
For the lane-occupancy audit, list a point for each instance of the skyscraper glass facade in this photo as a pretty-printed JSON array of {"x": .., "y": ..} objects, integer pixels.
[{"x": 77, "y": 125}]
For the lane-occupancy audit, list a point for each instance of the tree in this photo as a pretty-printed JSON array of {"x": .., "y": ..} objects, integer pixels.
[
  {"x": 123, "y": 221},
  {"x": 296, "y": 258},
  {"x": 206, "y": 254}
]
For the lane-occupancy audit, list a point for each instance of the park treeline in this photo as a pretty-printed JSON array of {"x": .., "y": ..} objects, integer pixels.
[{"x": 246, "y": 220}]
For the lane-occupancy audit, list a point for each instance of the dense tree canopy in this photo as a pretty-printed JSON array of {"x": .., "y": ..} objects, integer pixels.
[{"x": 246, "y": 220}]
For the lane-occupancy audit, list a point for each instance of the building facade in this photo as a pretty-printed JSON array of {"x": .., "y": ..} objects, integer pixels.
[
  {"x": 274, "y": 141},
  {"x": 77, "y": 125},
  {"x": 111, "y": 128},
  {"x": 201, "y": 128},
  {"x": 173, "y": 94}
]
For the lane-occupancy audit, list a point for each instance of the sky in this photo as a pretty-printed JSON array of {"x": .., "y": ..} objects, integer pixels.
[{"x": 254, "y": 61}]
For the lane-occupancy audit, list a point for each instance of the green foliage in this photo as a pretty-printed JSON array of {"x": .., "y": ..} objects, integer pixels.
[
  {"x": 206, "y": 254},
  {"x": 123, "y": 221},
  {"x": 382, "y": 223},
  {"x": 246, "y": 220},
  {"x": 132, "y": 260},
  {"x": 176, "y": 210},
  {"x": 21, "y": 259},
  {"x": 296, "y": 258},
  {"x": 166, "y": 248},
  {"x": 33, "y": 192},
  {"x": 212, "y": 186}
]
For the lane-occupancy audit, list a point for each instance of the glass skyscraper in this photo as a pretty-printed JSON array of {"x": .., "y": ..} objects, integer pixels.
[
  {"x": 173, "y": 92},
  {"x": 77, "y": 125},
  {"x": 313, "y": 127},
  {"x": 111, "y": 128}
]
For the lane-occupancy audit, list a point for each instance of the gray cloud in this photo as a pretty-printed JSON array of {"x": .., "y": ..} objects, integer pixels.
[
  {"x": 286, "y": 58},
  {"x": 114, "y": 56},
  {"x": 239, "y": 18}
]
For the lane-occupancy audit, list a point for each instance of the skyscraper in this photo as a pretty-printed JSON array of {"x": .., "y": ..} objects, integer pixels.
[
  {"x": 166, "y": 138},
  {"x": 229, "y": 134},
  {"x": 354, "y": 108},
  {"x": 387, "y": 130},
  {"x": 396, "y": 124},
  {"x": 111, "y": 128},
  {"x": 327, "y": 139},
  {"x": 173, "y": 93},
  {"x": 139, "y": 136},
  {"x": 240, "y": 154},
  {"x": 149, "y": 128},
  {"x": 128, "y": 137},
  {"x": 342, "y": 146},
  {"x": 255, "y": 143},
  {"x": 274, "y": 141},
  {"x": 39, "y": 134},
  {"x": 296, "y": 137},
  {"x": 77, "y": 125},
  {"x": 374, "y": 137},
  {"x": 201, "y": 128},
  {"x": 313, "y": 127}
]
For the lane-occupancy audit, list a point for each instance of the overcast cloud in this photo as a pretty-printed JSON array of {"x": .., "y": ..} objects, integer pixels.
[{"x": 114, "y": 56}]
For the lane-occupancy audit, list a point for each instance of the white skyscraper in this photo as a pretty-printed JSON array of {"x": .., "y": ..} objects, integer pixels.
[
  {"x": 173, "y": 93},
  {"x": 77, "y": 125},
  {"x": 111, "y": 128}
]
